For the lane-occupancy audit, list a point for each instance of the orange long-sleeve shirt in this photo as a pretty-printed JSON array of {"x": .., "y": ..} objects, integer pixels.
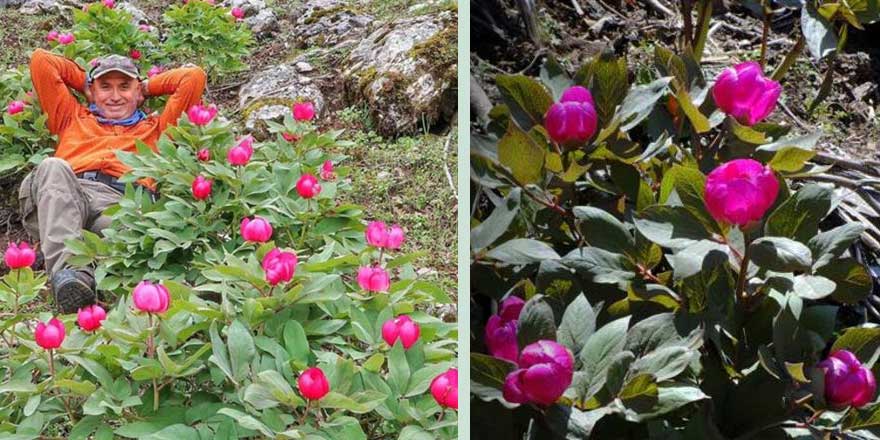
[{"x": 88, "y": 145}]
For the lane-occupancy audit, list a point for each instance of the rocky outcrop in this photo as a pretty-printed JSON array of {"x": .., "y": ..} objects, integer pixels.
[
  {"x": 405, "y": 71},
  {"x": 258, "y": 17},
  {"x": 327, "y": 23},
  {"x": 269, "y": 94}
]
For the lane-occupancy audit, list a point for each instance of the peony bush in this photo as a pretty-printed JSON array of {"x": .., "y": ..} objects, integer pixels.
[{"x": 651, "y": 260}]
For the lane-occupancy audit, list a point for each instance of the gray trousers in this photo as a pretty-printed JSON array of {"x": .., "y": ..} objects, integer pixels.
[{"x": 55, "y": 205}]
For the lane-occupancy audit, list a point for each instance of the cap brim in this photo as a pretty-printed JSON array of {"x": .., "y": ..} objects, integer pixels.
[{"x": 114, "y": 69}]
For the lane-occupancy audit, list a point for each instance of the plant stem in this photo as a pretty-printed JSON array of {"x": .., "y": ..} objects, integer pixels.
[
  {"x": 60, "y": 397},
  {"x": 302, "y": 420},
  {"x": 151, "y": 355},
  {"x": 15, "y": 300},
  {"x": 767, "y": 16},
  {"x": 743, "y": 270},
  {"x": 381, "y": 254},
  {"x": 442, "y": 413}
]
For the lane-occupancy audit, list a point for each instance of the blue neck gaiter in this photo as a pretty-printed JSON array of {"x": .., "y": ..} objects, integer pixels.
[{"x": 136, "y": 117}]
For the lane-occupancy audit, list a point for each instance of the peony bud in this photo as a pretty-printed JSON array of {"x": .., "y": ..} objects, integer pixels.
[
  {"x": 290, "y": 137},
  {"x": 307, "y": 186},
  {"x": 376, "y": 234},
  {"x": 444, "y": 388},
  {"x": 257, "y": 230},
  {"x": 109, "y": 3},
  {"x": 203, "y": 155},
  {"x": 134, "y": 54},
  {"x": 15, "y": 107},
  {"x": 145, "y": 28},
  {"x": 847, "y": 382},
  {"x": 49, "y": 335},
  {"x": 501, "y": 330},
  {"x": 743, "y": 92},
  {"x": 303, "y": 111},
  {"x": 240, "y": 154},
  {"x": 52, "y": 36},
  {"x": 327, "y": 170},
  {"x": 573, "y": 120},
  {"x": 545, "y": 371},
  {"x": 201, "y": 188},
  {"x": 154, "y": 70},
  {"x": 201, "y": 115},
  {"x": 313, "y": 384},
  {"x": 279, "y": 266},
  {"x": 89, "y": 317},
  {"x": 403, "y": 328},
  {"x": 373, "y": 279},
  {"x": 395, "y": 237},
  {"x": 237, "y": 12},
  {"x": 151, "y": 298},
  {"x": 67, "y": 38},
  {"x": 19, "y": 255},
  {"x": 740, "y": 192}
]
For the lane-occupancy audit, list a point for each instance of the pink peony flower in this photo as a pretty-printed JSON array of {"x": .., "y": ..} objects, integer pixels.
[
  {"x": 402, "y": 328},
  {"x": 444, "y": 388},
  {"x": 545, "y": 371},
  {"x": 240, "y": 154},
  {"x": 847, "y": 382},
  {"x": 307, "y": 186},
  {"x": 89, "y": 317},
  {"x": 134, "y": 54},
  {"x": 15, "y": 107},
  {"x": 741, "y": 191},
  {"x": 145, "y": 28},
  {"x": 313, "y": 384},
  {"x": 742, "y": 91},
  {"x": 501, "y": 330},
  {"x": 237, "y": 12},
  {"x": 19, "y": 255},
  {"x": 49, "y": 335},
  {"x": 395, "y": 237},
  {"x": 327, "y": 170},
  {"x": 52, "y": 36},
  {"x": 303, "y": 111},
  {"x": 151, "y": 298},
  {"x": 201, "y": 115},
  {"x": 573, "y": 120},
  {"x": 67, "y": 38},
  {"x": 257, "y": 230},
  {"x": 201, "y": 188},
  {"x": 279, "y": 266},
  {"x": 109, "y": 3},
  {"x": 290, "y": 137},
  {"x": 203, "y": 155},
  {"x": 376, "y": 234},
  {"x": 373, "y": 279},
  {"x": 154, "y": 70}
]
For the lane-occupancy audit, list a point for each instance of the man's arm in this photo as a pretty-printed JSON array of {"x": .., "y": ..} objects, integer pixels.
[
  {"x": 53, "y": 77},
  {"x": 185, "y": 85}
]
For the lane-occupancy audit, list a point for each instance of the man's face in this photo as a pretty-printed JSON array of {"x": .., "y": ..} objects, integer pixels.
[{"x": 116, "y": 95}]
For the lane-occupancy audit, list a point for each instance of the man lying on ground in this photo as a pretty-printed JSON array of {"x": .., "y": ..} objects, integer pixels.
[{"x": 67, "y": 193}]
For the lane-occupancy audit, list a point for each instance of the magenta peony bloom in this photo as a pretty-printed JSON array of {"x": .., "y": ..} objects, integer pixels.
[
  {"x": 201, "y": 188},
  {"x": 742, "y": 91},
  {"x": 313, "y": 384},
  {"x": 573, "y": 120},
  {"x": 154, "y": 70},
  {"x": 109, "y": 3},
  {"x": 203, "y": 155},
  {"x": 545, "y": 371},
  {"x": 89, "y": 317},
  {"x": 373, "y": 279},
  {"x": 134, "y": 54},
  {"x": 303, "y": 111},
  {"x": 15, "y": 107},
  {"x": 151, "y": 298},
  {"x": 49, "y": 335},
  {"x": 402, "y": 327},
  {"x": 307, "y": 186},
  {"x": 52, "y": 36},
  {"x": 144, "y": 28},
  {"x": 444, "y": 388},
  {"x": 240, "y": 154},
  {"x": 376, "y": 234},
  {"x": 19, "y": 255},
  {"x": 257, "y": 230},
  {"x": 740, "y": 191},
  {"x": 395, "y": 237},
  {"x": 279, "y": 266},
  {"x": 501, "y": 330},
  {"x": 237, "y": 12},
  {"x": 67, "y": 38},
  {"x": 290, "y": 137},
  {"x": 847, "y": 382},
  {"x": 327, "y": 170},
  {"x": 201, "y": 115}
]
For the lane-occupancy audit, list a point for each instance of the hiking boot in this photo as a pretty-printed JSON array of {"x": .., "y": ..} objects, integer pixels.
[{"x": 73, "y": 289}]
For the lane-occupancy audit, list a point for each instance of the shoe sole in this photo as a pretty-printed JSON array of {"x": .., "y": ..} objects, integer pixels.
[{"x": 73, "y": 295}]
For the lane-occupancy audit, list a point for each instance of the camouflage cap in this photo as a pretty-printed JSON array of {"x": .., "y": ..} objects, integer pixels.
[{"x": 114, "y": 63}]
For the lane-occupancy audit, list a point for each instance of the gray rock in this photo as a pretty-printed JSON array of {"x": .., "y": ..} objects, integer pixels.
[
  {"x": 304, "y": 67},
  {"x": 34, "y": 7},
  {"x": 263, "y": 24},
  {"x": 269, "y": 95},
  {"x": 325, "y": 23},
  {"x": 10, "y": 3},
  {"x": 137, "y": 16},
  {"x": 405, "y": 71}
]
